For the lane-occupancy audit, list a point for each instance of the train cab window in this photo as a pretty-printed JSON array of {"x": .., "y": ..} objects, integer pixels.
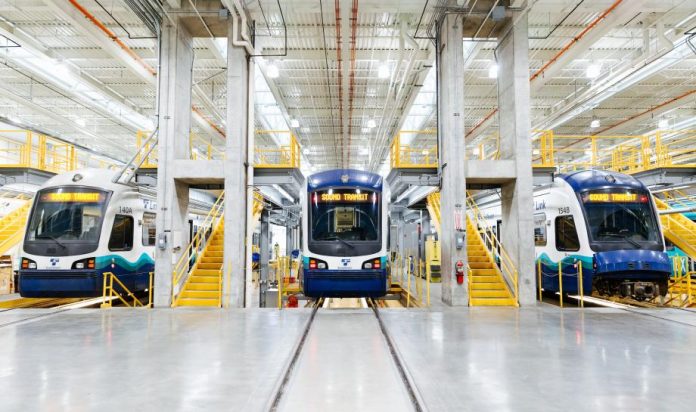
[
  {"x": 566, "y": 234},
  {"x": 149, "y": 232},
  {"x": 121, "y": 233},
  {"x": 540, "y": 229}
]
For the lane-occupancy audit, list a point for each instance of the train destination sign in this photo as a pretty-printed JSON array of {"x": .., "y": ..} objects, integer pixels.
[
  {"x": 341, "y": 197},
  {"x": 614, "y": 197},
  {"x": 76, "y": 197}
]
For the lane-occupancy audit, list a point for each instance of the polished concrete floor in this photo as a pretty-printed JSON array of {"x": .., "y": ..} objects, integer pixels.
[{"x": 532, "y": 359}]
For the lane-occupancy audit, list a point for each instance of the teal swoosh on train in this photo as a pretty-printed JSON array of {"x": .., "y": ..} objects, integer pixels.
[
  {"x": 552, "y": 265},
  {"x": 106, "y": 261}
]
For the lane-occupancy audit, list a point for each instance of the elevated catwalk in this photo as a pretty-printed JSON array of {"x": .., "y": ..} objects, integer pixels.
[{"x": 528, "y": 359}]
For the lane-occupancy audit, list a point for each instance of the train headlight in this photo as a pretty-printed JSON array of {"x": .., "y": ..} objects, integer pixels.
[
  {"x": 372, "y": 264},
  {"x": 84, "y": 264},
  {"x": 321, "y": 265},
  {"x": 317, "y": 264},
  {"x": 367, "y": 265},
  {"x": 28, "y": 264}
]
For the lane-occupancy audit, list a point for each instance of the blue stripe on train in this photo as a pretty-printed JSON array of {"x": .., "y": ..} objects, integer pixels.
[
  {"x": 345, "y": 283},
  {"x": 86, "y": 283}
]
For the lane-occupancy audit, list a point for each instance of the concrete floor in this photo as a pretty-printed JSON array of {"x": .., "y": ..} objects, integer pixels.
[{"x": 533, "y": 359}]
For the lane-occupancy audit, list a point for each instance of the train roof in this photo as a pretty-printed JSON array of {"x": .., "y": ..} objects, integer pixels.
[
  {"x": 598, "y": 179},
  {"x": 99, "y": 178},
  {"x": 345, "y": 177}
]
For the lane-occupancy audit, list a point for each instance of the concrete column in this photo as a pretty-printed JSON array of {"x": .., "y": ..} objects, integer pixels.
[
  {"x": 452, "y": 159},
  {"x": 515, "y": 144},
  {"x": 289, "y": 244},
  {"x": 238, "y": 109},
  {"x": 264, "y": 250},
  {"x": 174, "y": 100}
]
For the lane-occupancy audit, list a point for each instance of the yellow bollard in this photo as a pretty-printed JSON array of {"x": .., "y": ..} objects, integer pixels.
[{"x": 560, "y": 280}]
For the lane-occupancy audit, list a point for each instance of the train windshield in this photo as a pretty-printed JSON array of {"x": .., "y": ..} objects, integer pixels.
[
  {"x": 621, "y": 220},
  {"x": 344, "y": 222},
  {"x": 66, "y": 221}
]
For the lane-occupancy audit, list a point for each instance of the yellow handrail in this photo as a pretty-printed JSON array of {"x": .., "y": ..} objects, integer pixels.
[
  {"x": 410, "y": 156},
  {"x": 109, "y": 293},
  {"x": 198, "y": 242},
  {"x": 494, "y": 247}
]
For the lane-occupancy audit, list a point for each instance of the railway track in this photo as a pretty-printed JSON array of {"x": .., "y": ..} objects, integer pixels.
[
  {"x": 58, "y": 305},
  {"x": 414, "y": 398}
]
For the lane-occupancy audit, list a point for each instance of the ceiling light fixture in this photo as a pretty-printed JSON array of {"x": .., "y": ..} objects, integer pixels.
[
  {"x": 272, "y": 71},
  {"x": 371, "y": 124},
  {"x": 593, "y": 71},
  {"x": 493, "y": 71},
  {"x": 663, "y": 124},
  {"x": 383, "y": 71},
  {"x": 595, "y": 123},
  {"x": 294, "y": 123}
]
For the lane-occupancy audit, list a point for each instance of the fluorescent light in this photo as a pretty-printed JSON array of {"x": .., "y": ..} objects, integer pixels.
[
  {"x": 306, "y": 150},
  {"x": 535, "y": 152},
  {"x": 305, "y": 130},
  {"x": 294, "y": 123},
  {"x": 383, "y": 71},
  {"x": 663, "y": 123},
  {"x": 595, "y": 123},
  {"x": 272, "y": 71},
  {"x": 365, "y": 130},
  {"x": 425, "y": 152},
  {"x": 371, "y": 124},
  {"x": 81, "y": 122},
  {"x": 476, "y": 151},
  {"x": 493, "y": 71},
  {"x": 593, "y": 71}
]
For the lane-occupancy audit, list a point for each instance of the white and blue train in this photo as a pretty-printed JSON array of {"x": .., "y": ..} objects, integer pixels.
[
  {"x": 605, "y": 222},
  {"x": 80, "y": 226},
  {"x": 344, "y": 237}
]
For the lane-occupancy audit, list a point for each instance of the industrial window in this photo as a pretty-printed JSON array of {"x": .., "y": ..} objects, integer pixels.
[
  {"x": 566, "y": 234},
  {"x": 121, "y": 233},
  {"x": 149, "y": 231},
  {"x": 540, "y": 229}
]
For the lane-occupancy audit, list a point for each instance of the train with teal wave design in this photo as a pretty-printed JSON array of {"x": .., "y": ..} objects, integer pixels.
[
  {"x": 601, "y": 227},
  {"x": 81, "y": 226}
]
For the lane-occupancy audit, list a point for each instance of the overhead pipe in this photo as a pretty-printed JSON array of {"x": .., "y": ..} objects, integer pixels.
[
  {"x": 555, "y": 58},
  {"x": 353, "y": 40},
  {"x": 133, "y": 54},
  {"x": 235, "y": 6}
]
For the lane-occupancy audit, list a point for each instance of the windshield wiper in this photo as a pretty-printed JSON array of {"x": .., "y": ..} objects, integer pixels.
[
  {"x": 58, "y": 242},
  {"x": 340, "y": 240},
  {"x": 624, "y": 237}
]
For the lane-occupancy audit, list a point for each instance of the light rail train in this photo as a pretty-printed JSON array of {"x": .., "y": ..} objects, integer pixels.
[
  {"x": 344, "y": 237},
  {"x": 605, "y": 222}
]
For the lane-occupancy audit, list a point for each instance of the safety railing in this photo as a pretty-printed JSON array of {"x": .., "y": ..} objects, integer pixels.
[
  {"x": 12, "y": 227},
  {"x": 146, "y": 156},
  {"x": 679, "y": 229},
  {"x": 410, "y": 275},
  {"x": 189, "y": 261},
  {"x": 494, "y": 247},
  {"x": 276, "y": 149},
  {"x": 621, "y": 153},
  {"x": 26, "y": 149},
  {"x": 682, "y": 283},
  {"x": 202, "y": 149},
  {"x": 414, "y": 149},
  {"x": 114, "y": 289},
  {"x": 485, "y": 148}
]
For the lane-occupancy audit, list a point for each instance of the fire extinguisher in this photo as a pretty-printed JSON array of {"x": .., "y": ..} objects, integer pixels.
[{"x": 459, "y": 272}]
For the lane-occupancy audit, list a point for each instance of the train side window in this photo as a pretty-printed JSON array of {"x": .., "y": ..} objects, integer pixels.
[
  {"x": 566, "y": 234},
  {"x": 540, "y": 229},
  {"x": 122, "y": 233},
  {"x": 149, "y": 231}
]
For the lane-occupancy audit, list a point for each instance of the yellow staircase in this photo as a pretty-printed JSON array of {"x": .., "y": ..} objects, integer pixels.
[
  {"x": 12, "y": 228},
  {"x": 204, "y": 284},
  {"x": 201, "y": 285},
  {"x": 487, "y": 286},
  {"x": 679, "y": 229}
]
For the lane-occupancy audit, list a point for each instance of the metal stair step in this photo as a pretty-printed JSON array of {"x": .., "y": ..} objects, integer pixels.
[
  {"x": 488, "y": 286},
  {"x": 204, "y": 294},
  {"x": 497, "y": 293},
  {"x": 492, "y": 302},
  {"x": 195, "y": 278},
  {"x": 198, "y": 302},
  {"x": 485, "y": 279},
  {"x": 203, "y": 286}
]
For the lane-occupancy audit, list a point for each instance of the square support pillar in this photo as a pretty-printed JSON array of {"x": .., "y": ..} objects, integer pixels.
[
  {"x": 452, "y": 158},
  {"x": 174, "y": 100},
  {"x": 235, "y": 169},
  {"x": 515, "y": 144}
]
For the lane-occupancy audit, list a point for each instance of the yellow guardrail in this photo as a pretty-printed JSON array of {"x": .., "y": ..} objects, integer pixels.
[
  {"x": 420, "y": 151},
  {"x": 268, "y": 155},
  {"x": 682, "y": 284},
  {"x": 110, "y": 293},
  {"x": 199, "y": 148},
  {"x": 12, "y": 227},
  {"x": 195, "y": 247},
  {"x": 26, "y": 149},
  {"x": 494, "y": 247},
  {"x": 409, "y": 273},
  {"x": 621, "y": 153}
]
